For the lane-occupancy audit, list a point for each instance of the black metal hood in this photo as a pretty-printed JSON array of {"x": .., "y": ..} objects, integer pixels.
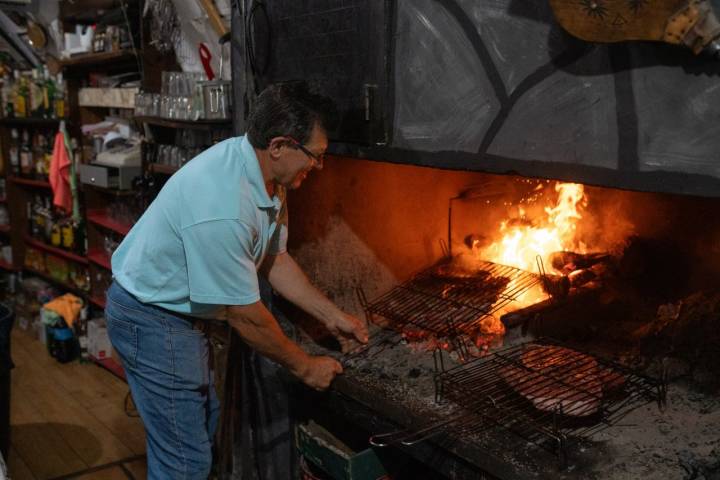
[{"x": 498, "y": 86}]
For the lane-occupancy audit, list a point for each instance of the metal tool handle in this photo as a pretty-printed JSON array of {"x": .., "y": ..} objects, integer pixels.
[{"x": 409, "y": 437}]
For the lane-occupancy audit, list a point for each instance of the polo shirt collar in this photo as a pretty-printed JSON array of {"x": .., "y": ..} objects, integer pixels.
[{"x": 254, "y": 175}]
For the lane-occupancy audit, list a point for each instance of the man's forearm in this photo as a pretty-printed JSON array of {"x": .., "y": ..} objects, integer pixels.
[
  {"x": 259, "y": 329},
  {"x": 288, "y": 279}
]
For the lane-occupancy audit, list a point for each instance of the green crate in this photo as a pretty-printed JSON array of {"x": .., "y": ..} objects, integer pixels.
[{"x": 322, "y": 449}]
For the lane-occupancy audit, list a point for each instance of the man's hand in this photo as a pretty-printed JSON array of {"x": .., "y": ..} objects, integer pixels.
[
  {"x": 319, "y": 371},
  {"x": 348, "y": 330}
]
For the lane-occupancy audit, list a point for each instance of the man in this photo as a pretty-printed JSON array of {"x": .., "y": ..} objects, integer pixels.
[{"x": 195, "y": 254}]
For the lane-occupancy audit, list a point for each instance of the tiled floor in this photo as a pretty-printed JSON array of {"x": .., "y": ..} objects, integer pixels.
[{"x": 69, "y": 420}]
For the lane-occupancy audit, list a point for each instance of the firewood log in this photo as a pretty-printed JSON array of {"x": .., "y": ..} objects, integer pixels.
[{"x": 567, "y": 262}]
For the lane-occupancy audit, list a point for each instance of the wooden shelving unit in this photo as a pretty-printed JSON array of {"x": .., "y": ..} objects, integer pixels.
[
  {"x": 98, "y": 302},
  {"x": 31, "y": 122},
  {"x": 6, "y": 266},
  {"x": 99, "y": 257},
  {"x": 55, "y": 251},
  {"x": 115, "y": 192},
  {"x": 162, "y": 168},
  {"x": 5, "y": 229},
  {"x": 100, "y": 217},
  {"x": 29, "y": 182},
  {"x": 190, "y": 124},
  {"x": 55, "y": 281},
  {"x": 97, "y": 59}
]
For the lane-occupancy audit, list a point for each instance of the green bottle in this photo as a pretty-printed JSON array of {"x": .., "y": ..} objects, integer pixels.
[{"x": 48, "y": 94}]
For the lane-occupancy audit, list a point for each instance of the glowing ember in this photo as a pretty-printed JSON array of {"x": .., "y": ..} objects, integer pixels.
[{"x": 523, "y": 239}]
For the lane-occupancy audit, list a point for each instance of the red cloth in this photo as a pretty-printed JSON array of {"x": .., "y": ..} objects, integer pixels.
[{"x": 60, "y": 175}]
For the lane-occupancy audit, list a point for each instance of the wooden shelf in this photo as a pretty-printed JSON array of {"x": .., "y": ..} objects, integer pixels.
[
  {"x": 6, "y": 266},
  {"x": 100, "y": 217},
  {"x": 162, "y": 168},
  {"x": 55, "y": 251},
  {"x": 4, "y": 228},
  {"x": 97, "y": 301},
  {"x": 97, "y": 59},
  {"x": 55, "y": 281},
  {"x": 107, "y": 97},
  {"x": 192, "y": 124},
  {"x": 115, "y": 192},
  {"x": 30, "y": 183},
  {"x": 99, "y": 257},
  {"x": 31, "y": 122},
  {"x": 111, "y": 365}
]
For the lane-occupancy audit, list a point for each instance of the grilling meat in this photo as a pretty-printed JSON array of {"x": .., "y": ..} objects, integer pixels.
[{"x": 557, "y": 379}]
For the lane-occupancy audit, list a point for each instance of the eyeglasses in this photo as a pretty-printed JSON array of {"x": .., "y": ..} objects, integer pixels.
[{"x": 318, "y": 159}]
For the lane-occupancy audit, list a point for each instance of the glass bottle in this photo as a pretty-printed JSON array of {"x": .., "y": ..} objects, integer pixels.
[
  {"x": 47, "y": 213},
  {"x": 36, "y": 86},
  {"x": 14, "y": 152},
  {"x": 60, "y": 97},
  {"x": 8, "y": 109},
  {"x": 19, "y": 95},
  {"x": 55, "y": 232},
  {"x": 42, "y": 167},
  {"x": 48, "y": 94},
  {"x": 68, "y": 235},
  {"x": 27, "y": 167}
]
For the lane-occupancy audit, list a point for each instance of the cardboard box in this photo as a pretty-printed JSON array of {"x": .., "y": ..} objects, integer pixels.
[
  {"x": 321, "y": 448},
  {"x": 107, "y": 97},
  {"x": 98, "y": 341}
]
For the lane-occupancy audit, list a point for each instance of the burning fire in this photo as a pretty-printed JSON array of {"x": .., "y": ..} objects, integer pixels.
[{"x": 522, "y": 239}]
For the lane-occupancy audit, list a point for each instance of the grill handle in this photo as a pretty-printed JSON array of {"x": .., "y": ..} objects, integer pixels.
[{"x": 410, "y": 437}]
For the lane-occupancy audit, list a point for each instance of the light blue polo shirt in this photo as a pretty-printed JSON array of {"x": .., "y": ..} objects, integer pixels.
[{"x": 201, "y": 241}]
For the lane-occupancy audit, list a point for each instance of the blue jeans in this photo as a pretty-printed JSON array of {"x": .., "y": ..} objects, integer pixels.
[{"x": 167, "y": 366}]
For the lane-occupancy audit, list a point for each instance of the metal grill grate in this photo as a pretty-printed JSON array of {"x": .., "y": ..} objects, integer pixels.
[
  {"x": 442, "y": 303},
  {"x": 546, "y": 393},
  {"x": 445, "y": 303}
]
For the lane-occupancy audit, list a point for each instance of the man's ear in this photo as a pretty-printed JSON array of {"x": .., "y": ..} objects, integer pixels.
[{"x": 276, "y": 145}]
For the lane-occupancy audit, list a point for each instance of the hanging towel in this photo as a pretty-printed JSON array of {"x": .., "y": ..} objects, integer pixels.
[
  {"x": 60, "y": 175},
  {"x": 68, "y": 306}
]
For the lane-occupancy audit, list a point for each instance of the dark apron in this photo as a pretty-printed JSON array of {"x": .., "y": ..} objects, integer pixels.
[{"x": 257, "y": 423}]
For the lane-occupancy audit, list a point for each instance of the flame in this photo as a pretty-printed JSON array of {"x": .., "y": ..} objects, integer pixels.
[{"x": 522, "y": 239}]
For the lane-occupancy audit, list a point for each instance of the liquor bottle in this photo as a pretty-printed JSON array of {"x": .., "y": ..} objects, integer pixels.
[
  {"x": 35, "y": 86},
  {"x": 37, "y": 224},
  {"x": 42, "y": 165},
  {"x": 80, "y": 238},
  {"x": 60, "y": 96},
  {"x": 8, "y": 110},
  {"x": 27, "y": 167},
  {"x": 55, "y": 232},
  {"x": 48, "y": 94},
  {"x": 68, "y": 235},
  {"x": 30, "y": 214},
  {"x": 47, "y": 213},
  {"x": 80, "y": 330},
  {"x": 14, "y": 152},
  {"x": 19, "y": 96}
]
